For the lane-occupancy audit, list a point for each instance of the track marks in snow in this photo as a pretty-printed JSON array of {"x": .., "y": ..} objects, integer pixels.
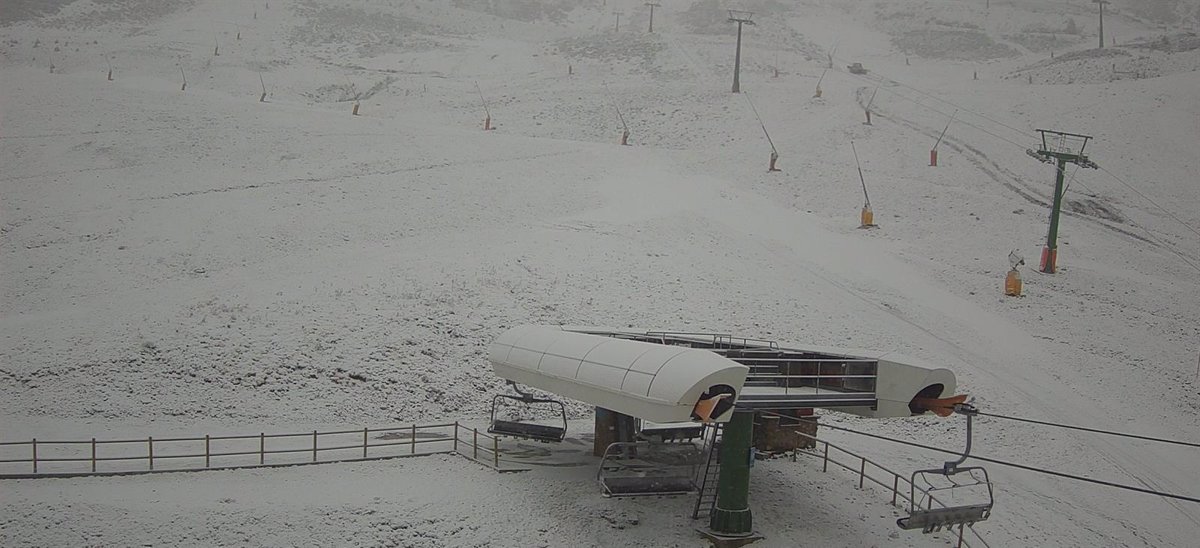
[
  {"x": 371, "y": 173},
  {"x": 1101, "y": 217}
]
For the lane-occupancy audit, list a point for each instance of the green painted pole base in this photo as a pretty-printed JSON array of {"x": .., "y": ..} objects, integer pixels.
[
  {"x": 732, "y": 513},
  {"x": 731, "y": 522}
]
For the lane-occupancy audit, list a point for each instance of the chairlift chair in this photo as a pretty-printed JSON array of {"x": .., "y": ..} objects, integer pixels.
[
  {"x": 670, "y": 431},
  {"x": 929, "y": 519},
  {"x": 528, "y": 430},
  {"x": 640, "y": 475}
]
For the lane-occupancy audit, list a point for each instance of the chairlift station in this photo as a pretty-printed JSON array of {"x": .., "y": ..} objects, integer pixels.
[{"x": 649, "y": 385}]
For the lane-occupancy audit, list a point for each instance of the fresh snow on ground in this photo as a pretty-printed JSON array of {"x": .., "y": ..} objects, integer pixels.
[{"x": 190, "y": 262}]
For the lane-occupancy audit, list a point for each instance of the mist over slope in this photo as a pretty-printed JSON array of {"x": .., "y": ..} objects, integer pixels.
[{"x": 182, "y": 260}]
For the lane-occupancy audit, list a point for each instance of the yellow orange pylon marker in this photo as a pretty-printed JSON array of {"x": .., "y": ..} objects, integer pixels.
[
  {"x": 1012, "y": 283},
  {"x": 867, "y": 217}
]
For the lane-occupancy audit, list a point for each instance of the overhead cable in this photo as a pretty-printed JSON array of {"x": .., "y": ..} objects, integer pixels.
[
  {"x": 1024, "y": 466},
  {"x": 1093, "y": 430}
]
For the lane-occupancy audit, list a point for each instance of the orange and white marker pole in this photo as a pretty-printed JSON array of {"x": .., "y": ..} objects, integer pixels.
[
  {"x": 867, "y": 216},
  {"x": 870, "y": 104},
  {"x": 487, "y": 121},
  {"x": 771, "y": 167},
  {"x": 933, "y": 153}
]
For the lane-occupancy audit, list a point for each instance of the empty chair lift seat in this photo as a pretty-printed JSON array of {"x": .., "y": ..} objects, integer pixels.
[
  {"x": 655, "y": 382},
  {"x": 933, "y": 520}
]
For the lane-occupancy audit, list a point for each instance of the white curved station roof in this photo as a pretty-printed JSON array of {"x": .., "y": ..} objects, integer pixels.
[{"x": 652, "y": 381}]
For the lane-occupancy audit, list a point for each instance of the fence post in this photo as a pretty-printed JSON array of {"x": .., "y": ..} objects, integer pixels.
[
  {"x": 895, "y": 487},
  {"x": 206, "y": 452},
  {"x": 474, "y": 444},
  {"x": 93, "y": 455},
  {"x": 34, "y": 455},
  {"x": 414, "y": 439},
  {"x": 314, "y": 446},
  {"x": 150, "y": 446},
  {"x": 862, "y": 472},
  {"x": 825, "y": 463},
  {"x": 364, "y": 443},
  {"x": 262, "y": 448},
  {"x": 496, "y": 452},
  {"x": 455, "y": 436}
]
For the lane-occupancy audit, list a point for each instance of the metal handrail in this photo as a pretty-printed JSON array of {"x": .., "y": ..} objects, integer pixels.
[
  {"x": 717, "y": 338},
  {"x": 154, "y": 449},
  {"x": 814, "y": 360},
  {"x": 752, "y": 376},
  {"x": 897, "y": 493}
]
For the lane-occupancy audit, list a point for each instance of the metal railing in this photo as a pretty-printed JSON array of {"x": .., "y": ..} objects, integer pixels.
[
  {"x": 58, "y": 458},
  {"x": 894, "y": 486},
  {"x": 711, "y": 340},
  {"x": 842, "y": 376}
]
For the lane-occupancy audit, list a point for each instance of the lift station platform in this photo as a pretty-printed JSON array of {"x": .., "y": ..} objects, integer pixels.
[{"x": 869, "y": 383}]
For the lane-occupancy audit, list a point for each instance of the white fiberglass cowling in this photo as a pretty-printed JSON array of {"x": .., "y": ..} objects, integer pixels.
[{"x": 650, "y": 381}]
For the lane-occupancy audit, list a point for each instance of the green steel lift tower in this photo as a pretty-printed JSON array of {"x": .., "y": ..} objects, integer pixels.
[{"x": 1061, "y": 149}]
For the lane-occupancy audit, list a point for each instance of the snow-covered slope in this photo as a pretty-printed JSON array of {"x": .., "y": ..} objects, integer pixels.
[{"x": 192, "y": 261}]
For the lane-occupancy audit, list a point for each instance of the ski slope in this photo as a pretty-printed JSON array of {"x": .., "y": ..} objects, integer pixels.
[{"x": 190, "y": 262}]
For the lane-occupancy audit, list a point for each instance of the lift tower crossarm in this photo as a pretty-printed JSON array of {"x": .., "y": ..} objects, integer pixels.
[{"x": 652, "y": 5}]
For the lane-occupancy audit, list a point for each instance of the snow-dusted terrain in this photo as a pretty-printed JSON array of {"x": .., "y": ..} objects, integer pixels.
[{"x": 189, "y": 262}]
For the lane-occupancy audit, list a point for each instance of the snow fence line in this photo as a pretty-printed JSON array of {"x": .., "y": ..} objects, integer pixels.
[
  {"x": 860, "y": 468},
  {"x": 65, "y": 459}
]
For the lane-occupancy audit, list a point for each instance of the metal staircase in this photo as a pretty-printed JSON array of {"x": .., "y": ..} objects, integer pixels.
[{"x": 706, "y": 500}]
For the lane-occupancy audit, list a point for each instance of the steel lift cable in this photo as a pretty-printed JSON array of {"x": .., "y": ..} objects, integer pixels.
[
  {"x": 1093, "y": 430},
  {"x": 1023, "y": 466}
]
